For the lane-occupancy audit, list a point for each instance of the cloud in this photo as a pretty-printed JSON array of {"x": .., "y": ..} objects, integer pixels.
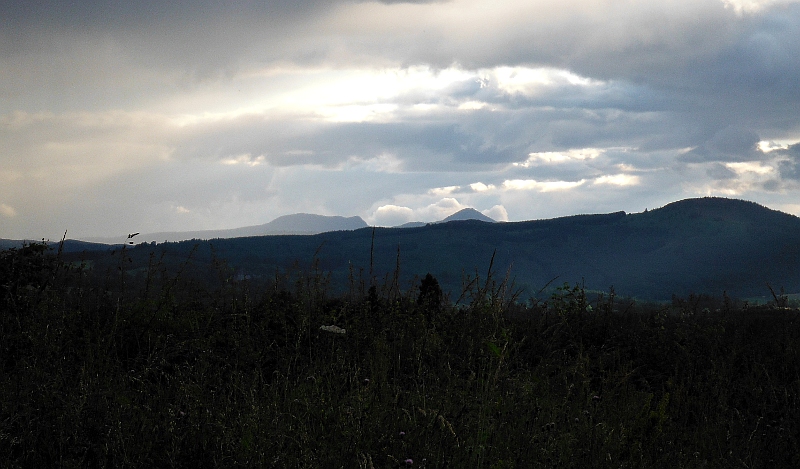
[
  {"x": 441, "y": 191},
  {"x": 618, "y": 180},
  {"x": 240, "y": 112},
  {"x": 728, "y": 144},
  {"x": 541, "y": 186},
  {"x": 753, "y": 6},
  {"x": 789, "y": 167},
  {"x": 392, "y": 215},
  {"x": 750, "y": 168},
  {"x": 481, "y": 187},
  {"x": 7, "y": 211},
  {"x": 720, "y": 171},
  {"x": 497, "y": 213},
  {"x": 411, "y": 1},
  {"x": 555, "y": 157},
  {"x": 440, "y": 210},
  {"x": 737, "y": 179},
  {"x": 248, "y": 160}
]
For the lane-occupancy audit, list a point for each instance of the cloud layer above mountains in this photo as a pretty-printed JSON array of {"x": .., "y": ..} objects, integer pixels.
[{"x": 119, "y": 117}]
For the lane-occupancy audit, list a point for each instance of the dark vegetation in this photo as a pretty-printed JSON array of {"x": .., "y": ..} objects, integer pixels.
[
  {"x": 708, "y": 246},
  {"x": 188, "y": 364}
]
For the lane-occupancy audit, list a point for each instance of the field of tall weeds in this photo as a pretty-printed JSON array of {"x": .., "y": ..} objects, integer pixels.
[{"x": 156, "y": 368}]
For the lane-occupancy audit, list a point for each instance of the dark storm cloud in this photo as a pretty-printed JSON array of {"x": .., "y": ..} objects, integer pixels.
[
  {"x": 790, "y": 167},
  {"x": 199, "y": 40},
  {"x": 697, "y": 58},
  {"x": 754, "y": 81},
  {"x": 720, "y": 172},
  {"x": 114, "y": 14},
  {"x": 764, "y": 58},
  {"x": 728, "y": 144}
]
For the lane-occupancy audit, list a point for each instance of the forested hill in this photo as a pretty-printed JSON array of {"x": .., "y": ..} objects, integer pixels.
[{"x": 706, "y": 245}]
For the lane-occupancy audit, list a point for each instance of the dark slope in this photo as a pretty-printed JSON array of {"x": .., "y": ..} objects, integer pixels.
[
  {"x": 69, "y": 245},
  {"x": 706, "y": 245}
]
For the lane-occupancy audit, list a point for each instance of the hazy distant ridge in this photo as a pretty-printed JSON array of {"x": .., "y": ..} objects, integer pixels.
[
  {"x": 310, "y": 223},
  {"x": 294, "y": 224},
  {"x": 298, "y": 223}
]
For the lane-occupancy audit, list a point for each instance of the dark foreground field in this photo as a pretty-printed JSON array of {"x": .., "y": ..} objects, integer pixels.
[{"x": 102, "y": 369}]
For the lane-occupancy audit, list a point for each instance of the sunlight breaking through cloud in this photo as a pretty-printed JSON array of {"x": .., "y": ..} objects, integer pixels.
[
  {"x": 753, "y": 6},
  {"x": 560, "y": 156},
  {"x": 768, "y": 146},
  {"x": 618, "y": 180},
  {"x": 247, "y": 160},
  {"x": 750, "y": 167},
  {"x": 534, "y": 81},
  {"x": 541, "y": 186},
  {"x": 481, "y": 187}
]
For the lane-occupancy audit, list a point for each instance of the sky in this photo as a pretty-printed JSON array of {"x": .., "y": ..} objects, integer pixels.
[{"x": 151, "y": 116}]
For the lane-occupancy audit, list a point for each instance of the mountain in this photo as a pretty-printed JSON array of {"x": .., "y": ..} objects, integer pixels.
[
  {"x": 298, "y": 223},
  {"x": 468, "y": 214},
  {"x": 295, "y": 224},
  {"x": 309, "y": 223},
  {"x": 708, "y": 245},
  {"x": 463, "y": 214}
]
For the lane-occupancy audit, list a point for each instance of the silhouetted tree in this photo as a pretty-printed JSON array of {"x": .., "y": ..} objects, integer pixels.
[{"x": 430, "y": 296}]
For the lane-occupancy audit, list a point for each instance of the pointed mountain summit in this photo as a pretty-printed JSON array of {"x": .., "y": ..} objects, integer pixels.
[{"x": 468, "y": 214}]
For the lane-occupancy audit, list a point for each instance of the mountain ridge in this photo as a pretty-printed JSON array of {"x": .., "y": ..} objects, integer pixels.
[
  {"x": 710, "y": 245},
  {"x": 293, "y": 224}
]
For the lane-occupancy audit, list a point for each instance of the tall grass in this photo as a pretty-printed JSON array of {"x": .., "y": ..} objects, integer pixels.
[{"x": 154, "y": 368}]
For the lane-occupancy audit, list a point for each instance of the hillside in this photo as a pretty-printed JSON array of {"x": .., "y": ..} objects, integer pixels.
[{"x": 708, "y": 245}]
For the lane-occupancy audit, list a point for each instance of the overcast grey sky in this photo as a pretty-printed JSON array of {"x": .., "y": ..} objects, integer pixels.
[{"x": 150, "y": 116}]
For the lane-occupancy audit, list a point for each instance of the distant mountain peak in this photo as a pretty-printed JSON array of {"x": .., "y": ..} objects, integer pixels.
[
  {"x": 468, "y": 214},
  {"x": 309, "y": 222}
]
